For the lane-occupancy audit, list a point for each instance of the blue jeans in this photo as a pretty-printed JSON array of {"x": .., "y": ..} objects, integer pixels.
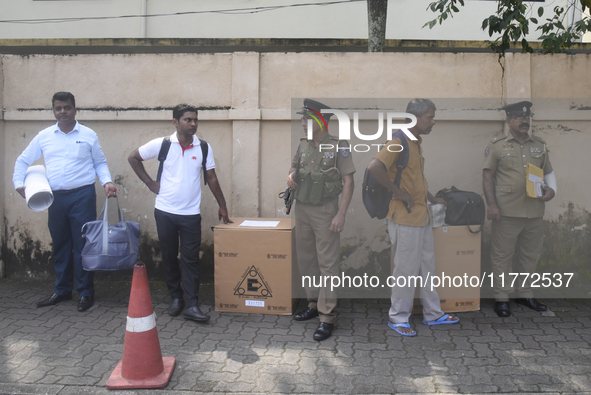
[{"x": 70, "y": 210}]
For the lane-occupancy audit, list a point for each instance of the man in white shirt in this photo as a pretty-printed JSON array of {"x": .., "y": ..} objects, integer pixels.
[
  {"x": 177, "y": 211},
  {"x": 73, "y": 159}
]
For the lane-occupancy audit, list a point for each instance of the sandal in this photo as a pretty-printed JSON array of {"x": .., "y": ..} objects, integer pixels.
[
  {"x": 442, "y": 321},
  {"x": 405, "y": 325}
]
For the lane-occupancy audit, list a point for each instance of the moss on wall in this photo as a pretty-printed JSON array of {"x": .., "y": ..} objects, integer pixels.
[
  {"x": 567, "y": 249},
  {"x": 25, "y": 257}
]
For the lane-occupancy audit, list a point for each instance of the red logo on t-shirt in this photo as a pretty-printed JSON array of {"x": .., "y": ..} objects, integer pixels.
[{"x": 194, "y": 158}]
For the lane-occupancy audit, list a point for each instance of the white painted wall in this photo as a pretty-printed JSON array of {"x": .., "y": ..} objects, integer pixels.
[{"x": 405, "y": 19}]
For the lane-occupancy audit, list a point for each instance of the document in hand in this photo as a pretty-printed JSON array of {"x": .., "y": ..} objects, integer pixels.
[{"x": 534, "y": 182}]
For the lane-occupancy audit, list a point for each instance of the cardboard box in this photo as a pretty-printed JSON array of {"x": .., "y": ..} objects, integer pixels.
[
  {"x": 253, "y": 270},
  {"x": 457, "y": 257}
]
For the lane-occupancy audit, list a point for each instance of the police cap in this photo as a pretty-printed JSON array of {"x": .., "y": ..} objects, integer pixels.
[
  {"x": 521, "y": 109},
  {"x": 312, "y": 105}
]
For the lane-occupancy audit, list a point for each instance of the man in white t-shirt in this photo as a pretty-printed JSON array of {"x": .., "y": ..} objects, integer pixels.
[{"x": 177, "y": 213}]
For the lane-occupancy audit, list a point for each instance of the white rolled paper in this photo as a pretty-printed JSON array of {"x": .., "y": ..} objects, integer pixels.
[{"x": 37, "y": 190}]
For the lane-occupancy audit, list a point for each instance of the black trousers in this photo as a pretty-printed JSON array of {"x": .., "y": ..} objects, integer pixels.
[{"x": 187, "y": 228}]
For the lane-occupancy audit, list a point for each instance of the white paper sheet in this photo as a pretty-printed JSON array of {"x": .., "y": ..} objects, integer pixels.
[
  {"x": 260, "y": 224},
  {"x": 535, "y": 178}
]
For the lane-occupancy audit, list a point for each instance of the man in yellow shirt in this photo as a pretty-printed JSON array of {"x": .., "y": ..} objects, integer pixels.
[{"x": 411, "y": 231}]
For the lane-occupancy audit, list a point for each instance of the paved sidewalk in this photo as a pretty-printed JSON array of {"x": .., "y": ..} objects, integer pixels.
[{"x": 57, "y": 350}]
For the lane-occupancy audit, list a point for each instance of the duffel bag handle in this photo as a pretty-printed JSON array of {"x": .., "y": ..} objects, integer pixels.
[
  {"x": 104, "y": 212},
  {"x": 105, "y": 218}
]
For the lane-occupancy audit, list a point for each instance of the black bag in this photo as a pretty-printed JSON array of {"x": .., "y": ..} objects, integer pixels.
[
  {"x": 376, "y": 197},
  {"x": 463, "y": 208},
  {"x": 110, "y": 247}
]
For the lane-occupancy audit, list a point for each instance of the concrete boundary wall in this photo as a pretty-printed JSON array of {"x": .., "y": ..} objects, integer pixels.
[
  {"x": 2, "y": 175},
  {"x": 245, "y": 101}
]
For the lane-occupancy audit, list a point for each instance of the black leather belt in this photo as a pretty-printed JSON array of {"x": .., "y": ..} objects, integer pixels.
[{"x": 68, "y": 191}]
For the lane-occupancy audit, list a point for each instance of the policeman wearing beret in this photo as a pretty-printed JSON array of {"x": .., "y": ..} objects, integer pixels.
[
  {"x": 321, "y": 170},
  {"x": 517, "y": 219}
]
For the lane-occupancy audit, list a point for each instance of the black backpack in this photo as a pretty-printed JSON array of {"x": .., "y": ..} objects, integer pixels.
[
  {"x": 463, "y": 208},
  {"x": 376, "y": 197},
  {"x": 165, "y": 147}
]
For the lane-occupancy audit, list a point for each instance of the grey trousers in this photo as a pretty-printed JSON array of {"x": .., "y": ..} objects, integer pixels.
[{"x": 414, "y": 256}]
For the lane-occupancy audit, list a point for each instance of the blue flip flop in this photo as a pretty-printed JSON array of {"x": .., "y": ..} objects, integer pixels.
[
  {"x": 406, "y": 325},
  {"x": 442, "y": 321}
]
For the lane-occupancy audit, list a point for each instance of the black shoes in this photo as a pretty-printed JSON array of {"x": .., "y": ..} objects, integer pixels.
[
  {"x": 195, "y": 314},
  {"x": 306, "y": 315},
  {"x": 85, "y": 303},
  {"x": 324, "y": 331},
  {"x": 54, "y": 299},
  {"x": 532, "y": 304},
  {"x": 502, "y": 309},
  {"x": 176, "y": 307}
]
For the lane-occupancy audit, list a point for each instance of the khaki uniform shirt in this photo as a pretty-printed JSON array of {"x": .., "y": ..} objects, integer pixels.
[
  {"x": 412, "y": 181},
  {"x": 334, "y": 162},
  {"x": 508, "y": 159}
]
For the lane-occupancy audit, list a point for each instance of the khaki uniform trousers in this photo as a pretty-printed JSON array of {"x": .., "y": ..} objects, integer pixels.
[
  {"x": 414, "y": 255},
  {"x": 510, "y": 235},
  {"x": 318, "y": 251}
]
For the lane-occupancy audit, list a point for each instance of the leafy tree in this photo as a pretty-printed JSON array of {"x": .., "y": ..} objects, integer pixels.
[{"x": 512, "y": 21}]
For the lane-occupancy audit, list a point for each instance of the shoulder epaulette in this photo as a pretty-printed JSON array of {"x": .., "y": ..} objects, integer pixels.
[
  {"x": 497, "y": 139},
  {"x": 541, "y": 140}
]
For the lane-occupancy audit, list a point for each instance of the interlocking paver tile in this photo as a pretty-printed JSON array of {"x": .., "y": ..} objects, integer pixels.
[{"x": 71, "y": 353}]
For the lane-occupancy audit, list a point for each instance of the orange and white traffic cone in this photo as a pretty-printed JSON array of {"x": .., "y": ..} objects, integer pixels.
[{"x": 142, "y": 365}]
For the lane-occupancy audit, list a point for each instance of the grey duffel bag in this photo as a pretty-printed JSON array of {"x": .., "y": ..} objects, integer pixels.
[{"x": 110, "y": 247}]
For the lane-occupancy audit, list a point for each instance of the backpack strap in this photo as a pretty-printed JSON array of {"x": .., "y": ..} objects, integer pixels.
[
  {"x": 204, "y": 152},
  {"x": 402, "y": 158},
  {"x": 164, "y": 148}
]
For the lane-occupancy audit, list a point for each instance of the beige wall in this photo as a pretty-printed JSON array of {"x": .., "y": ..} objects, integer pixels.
[{"x": 247, "y": 119}]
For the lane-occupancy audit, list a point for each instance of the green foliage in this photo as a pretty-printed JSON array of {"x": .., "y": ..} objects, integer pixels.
[
  {"x": 567, "y": 246},
  {"x": 445, "y": 8},
  {"x": 511, "y": 23}
]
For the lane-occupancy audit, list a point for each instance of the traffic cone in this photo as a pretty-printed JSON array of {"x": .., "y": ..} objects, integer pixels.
[{"x": 142, "y": 365}]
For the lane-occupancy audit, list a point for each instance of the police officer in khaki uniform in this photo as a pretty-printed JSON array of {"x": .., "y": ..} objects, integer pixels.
[
  {"x": 517, "y": 219},
  {"x": 321, "y": 169}
]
